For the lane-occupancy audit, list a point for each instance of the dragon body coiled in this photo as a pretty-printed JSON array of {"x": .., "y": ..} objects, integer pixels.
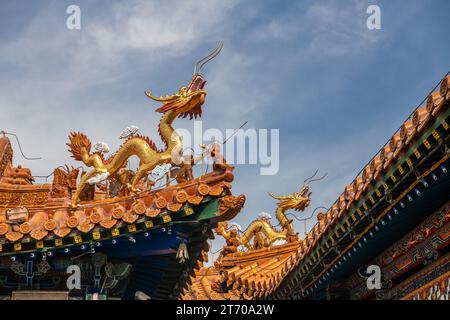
[
  {"x": 187, "y": 102},
  {"x": 262, "y": 232}
]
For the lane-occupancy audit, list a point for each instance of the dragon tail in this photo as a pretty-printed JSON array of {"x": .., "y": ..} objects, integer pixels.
[{"x": 77, "y": 142}]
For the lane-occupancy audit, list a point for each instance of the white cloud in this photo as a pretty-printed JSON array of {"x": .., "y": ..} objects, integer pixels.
[
  {"x": 54, "y": 74},
  {"x": 324, "y": 28},
  {"x": 158, "y": 28}
]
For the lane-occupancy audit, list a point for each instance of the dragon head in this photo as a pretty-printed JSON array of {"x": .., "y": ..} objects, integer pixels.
[
  {"x": 189, "y": 100},
  {"x": 297, "y": 201},
  {"x": 300, "y": 200}
]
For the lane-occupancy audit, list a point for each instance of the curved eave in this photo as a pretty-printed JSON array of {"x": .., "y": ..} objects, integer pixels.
[
  {"x": 203, "y": 200},
  {"x": 369, "y": 204},
  {"x": 247, "y": 275}
]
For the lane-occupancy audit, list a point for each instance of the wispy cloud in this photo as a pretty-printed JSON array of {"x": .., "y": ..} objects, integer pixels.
[
  {"x": 59, "y": 79},
  {"x": 324, "y": 28}
]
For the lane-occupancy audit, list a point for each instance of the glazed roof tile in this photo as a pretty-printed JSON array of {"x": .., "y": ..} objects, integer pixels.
[
  {"x": 49, "y": 218},
  {"x": 258, "y": 273},
  {"x": 398, "y": 143},
  {"x": 252, "y": 275}
]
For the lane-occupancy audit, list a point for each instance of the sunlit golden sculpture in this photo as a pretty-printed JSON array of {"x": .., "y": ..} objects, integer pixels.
[
  {"x": 261, "y": 231},
  {"x": 187, "y": 102}
]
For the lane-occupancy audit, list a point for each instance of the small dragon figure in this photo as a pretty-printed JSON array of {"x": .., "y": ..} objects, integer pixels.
[
  {"x": 64, "y": 181},
  {"x": 261, "y": 231},
  {"x": 187, "y": 102}
]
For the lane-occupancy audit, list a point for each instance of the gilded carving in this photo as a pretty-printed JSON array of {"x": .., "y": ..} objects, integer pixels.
[
  {"x": 6, "y": 156},
  {"x": 139, "y": 207},
  {"x": 229, "y": 206},
  {"x": 118, "y": 211},
  {"x": 261, "y": 230},
  {"x": 187, "y": 102}
]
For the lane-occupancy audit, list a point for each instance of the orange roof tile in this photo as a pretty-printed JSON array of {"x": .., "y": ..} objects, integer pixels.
[
  {"x": 250, "y": 275},
  {"x": 47, "y": 217},
  {"x": 258, "y": 273},
  {"x": 6, "y": 154},
  {"x": 16, "y": 176},
  {"x": 399, "y": 141}
]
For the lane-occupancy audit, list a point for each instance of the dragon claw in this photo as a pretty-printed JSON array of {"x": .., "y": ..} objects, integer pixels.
[
  {"x": 73, "y": 205},
  {"x": 133, "y": 189}
]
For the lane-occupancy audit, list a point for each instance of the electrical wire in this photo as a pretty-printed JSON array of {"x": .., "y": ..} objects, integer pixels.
[{"x": 18, "y": 143}]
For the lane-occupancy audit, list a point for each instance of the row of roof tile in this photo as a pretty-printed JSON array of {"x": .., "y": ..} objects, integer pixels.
[
  {"x": 60, "y": 221},
  {"x": 258, "y": 273}
]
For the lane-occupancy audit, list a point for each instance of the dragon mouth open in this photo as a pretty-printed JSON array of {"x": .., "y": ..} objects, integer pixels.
[
  {"x": 187, "y": 102},
  {"x": 198, "y": 99}
]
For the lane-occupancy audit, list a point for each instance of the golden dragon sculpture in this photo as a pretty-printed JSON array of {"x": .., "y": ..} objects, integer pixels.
[
  {"x": 187, "y": 102},
  {"x": 261, "y": 231}
]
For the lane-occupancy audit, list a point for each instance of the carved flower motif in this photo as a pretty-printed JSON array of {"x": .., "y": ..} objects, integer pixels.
[
  {"x": 118, "y": 212},
  {"x": 203, "y": 189},
  {"x": 72, "y": 222},
  {"x": 50, "y": 224},
  {"x": 139, "y": 207},
  {"x": 181, "y": 196},
  {"x": 161, "y": 202}
]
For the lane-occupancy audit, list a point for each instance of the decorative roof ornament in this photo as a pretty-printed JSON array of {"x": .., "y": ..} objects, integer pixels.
[
  {"x": 128, "y": 132},
  {"x": 199, "y": 65},
  {"x": 187, "y": 102},
  {"x": 182, "y": 253},
  {"x": 101, "y": 147},
  {"x": 261, "y": 231}
]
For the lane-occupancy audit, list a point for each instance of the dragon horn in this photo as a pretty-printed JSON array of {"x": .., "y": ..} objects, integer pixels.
[
  {"x": 315, "y": 173},
  {"x": 219, "y": 48},
  {"x": 160, "y": 99},
  {"x": 277, "y": 197},
  {"x": 318, "y": 179},
  {"x": 198, "y": 66}
]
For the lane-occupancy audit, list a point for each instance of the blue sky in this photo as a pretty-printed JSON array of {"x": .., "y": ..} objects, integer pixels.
[{"x": 336, "y": 90}]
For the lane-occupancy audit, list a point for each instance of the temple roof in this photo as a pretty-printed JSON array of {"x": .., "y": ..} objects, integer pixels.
[
  {"x": 252, "y": 275},
  {"x": 398, "y": 167},
  {"x": 48, "y": 218},
  {"x": 269, "y": 273},
  {"x": 6, "y": 154},
  {"x": 46, "y": 215},
  {"x": 38, "y": 218}
]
